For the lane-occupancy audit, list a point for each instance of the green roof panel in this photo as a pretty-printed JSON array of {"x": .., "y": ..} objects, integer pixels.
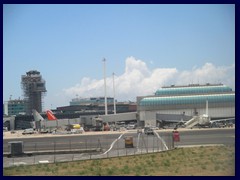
[
  {"x": 192, "y": 90},
  {"x": 197, "y": 99}
]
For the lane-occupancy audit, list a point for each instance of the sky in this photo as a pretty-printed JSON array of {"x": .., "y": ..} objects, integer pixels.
[{"x": 145, "y": 46}]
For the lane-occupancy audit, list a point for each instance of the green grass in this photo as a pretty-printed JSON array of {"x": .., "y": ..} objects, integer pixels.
[{"x": 198, "y": 161}]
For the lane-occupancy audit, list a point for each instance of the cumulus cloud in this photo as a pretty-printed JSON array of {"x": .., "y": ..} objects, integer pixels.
[
  {"x": 208, "y": 73},
  {"x": 139, "y": 80}
]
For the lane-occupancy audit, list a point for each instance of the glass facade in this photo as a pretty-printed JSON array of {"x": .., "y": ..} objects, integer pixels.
[{"x": 16, "y": 107}]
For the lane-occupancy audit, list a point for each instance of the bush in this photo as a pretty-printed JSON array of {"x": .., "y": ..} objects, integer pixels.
[{"x": 126, "y": 169}]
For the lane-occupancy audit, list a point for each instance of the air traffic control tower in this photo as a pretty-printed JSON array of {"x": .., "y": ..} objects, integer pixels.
[{"x": 34, "y": 88}]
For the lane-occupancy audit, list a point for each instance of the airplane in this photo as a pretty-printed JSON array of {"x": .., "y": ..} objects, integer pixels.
[
  {"x": 36, "y": 124},
  {"x": 51, "y": 116},
  {"x": 203, "y": 120},
  {"x": 37, "y": 116}
]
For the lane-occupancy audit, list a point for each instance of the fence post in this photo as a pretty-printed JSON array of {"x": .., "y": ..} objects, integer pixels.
[
  {"x": 153, "y": 143},
  {"x": 172, "y": 140},
  {"x": 86, "y": 143},
  {"x": 147, "y": 144},
  {"x": 99, "y": 144},
  {"x": 35, "y": 151},
  {"x": 117, "y": 149},
  {"x": 13, "y": 160},
  {"x": 54, "y": 151}
]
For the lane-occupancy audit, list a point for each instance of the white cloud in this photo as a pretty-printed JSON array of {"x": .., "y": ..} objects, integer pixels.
[
  {"x": 208, "y": 73},
  {"x": 139, "y": 80}
]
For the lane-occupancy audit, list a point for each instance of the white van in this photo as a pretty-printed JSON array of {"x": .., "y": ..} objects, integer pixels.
[{"x": 28, "y": 131}]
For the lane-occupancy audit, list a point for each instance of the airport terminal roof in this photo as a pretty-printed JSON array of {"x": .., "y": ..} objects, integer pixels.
[
  {"x": 190, "y": 99},
  {"x": 193, "y": 90}
]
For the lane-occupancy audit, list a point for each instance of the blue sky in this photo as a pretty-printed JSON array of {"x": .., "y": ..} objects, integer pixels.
[{"x": 150, "y": 45}]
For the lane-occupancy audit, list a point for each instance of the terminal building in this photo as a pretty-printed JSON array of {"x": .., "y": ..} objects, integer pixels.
[
  {"x": 184, "y": 102},
  {"x": 14, "y": 107}
]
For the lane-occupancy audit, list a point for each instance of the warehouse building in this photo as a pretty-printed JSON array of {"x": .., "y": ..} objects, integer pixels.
[{"x": 184, "y": 102}]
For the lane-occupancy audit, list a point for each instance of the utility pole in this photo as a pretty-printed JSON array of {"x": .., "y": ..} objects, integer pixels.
[
  {"x": 105, "y": 88},
  {"x": 114, "y": 103}
]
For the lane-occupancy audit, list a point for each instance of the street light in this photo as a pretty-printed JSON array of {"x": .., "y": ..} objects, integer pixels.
[{"x": 105, "y": 89}]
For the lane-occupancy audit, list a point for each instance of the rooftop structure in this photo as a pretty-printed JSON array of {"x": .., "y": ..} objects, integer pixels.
[
  {"x": 193, "y": 89},
  {"x": 91, "y": 100}
]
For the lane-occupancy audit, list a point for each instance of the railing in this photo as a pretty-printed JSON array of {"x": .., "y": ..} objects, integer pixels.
[{"x": 89, "y": 149}]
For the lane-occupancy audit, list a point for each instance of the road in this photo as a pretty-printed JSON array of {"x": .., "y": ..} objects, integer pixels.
[
  {"x": 187, "y": 137},
  {"x": 110, "y": 146}
]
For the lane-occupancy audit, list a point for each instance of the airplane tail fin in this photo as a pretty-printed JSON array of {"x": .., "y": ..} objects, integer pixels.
[
  {"x": 37, "y": 116},
  {"x": 50, "y": 115}
]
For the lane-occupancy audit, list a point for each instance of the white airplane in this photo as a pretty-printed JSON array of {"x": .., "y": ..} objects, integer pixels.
[
  {"x": 36, "y": 124},
  {"x": 205, "y": 120}
]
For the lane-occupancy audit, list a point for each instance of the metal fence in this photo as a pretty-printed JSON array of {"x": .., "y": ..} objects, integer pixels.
[{"x": 34, "y": 153}]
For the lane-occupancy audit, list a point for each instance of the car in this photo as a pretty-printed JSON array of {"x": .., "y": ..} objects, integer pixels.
[
  {"x": 148, "y": 131},
  {"x": 131, "y": 126},
  {"x": 28, "y": 131}
]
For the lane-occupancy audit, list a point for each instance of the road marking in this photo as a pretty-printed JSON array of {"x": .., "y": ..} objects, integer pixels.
[{"x": 113, "y": 143}]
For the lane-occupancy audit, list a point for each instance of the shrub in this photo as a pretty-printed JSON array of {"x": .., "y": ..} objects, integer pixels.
[
  {"x": 203, "y": 167},
  {"x": 126, "y": 169},
  {"x": 110, "y": 171}
]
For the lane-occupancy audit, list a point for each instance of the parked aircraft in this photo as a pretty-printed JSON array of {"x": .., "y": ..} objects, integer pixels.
[
  {"x": 36, "y": 124},
  {"x": 37, "y": 116},
  {"x": 203, "y": 120},
  {"x": 51, "y": 116}
]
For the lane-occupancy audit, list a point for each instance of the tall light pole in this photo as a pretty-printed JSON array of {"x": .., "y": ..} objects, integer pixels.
[
  {"x": 105, "y": 88},
  {"x": 114, "y": 103}
]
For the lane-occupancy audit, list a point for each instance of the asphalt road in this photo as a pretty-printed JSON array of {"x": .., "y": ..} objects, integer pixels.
[
  {"x": 110, "y": 146},
  {"x": 192, "y": 137}
]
